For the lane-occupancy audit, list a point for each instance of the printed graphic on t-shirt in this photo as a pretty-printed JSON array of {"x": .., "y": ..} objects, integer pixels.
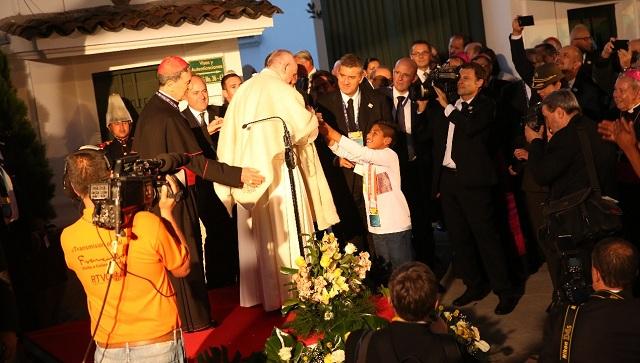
[{"x": 383, "y": 183}]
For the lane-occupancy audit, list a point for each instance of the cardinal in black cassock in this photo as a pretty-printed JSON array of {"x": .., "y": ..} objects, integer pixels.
[{"x": 163, "y": 129}]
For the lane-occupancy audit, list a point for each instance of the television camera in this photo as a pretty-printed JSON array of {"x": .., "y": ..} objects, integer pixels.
[{"x": 134, "y": 185}]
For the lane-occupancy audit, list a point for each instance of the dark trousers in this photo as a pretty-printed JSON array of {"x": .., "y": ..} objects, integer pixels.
[
  {"x": 221, "y": 244},
  {"x": 549, "y": 249},
  {"x": 478, "y": 255},
  {"x": 416, "y": 186}
]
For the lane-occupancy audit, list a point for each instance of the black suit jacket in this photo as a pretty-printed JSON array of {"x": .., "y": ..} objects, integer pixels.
[
  {"x": 591, "y": 98},
  {"x": 606, "y": 330},
  {"x": 470, "y": 145},
  {"x": 519, "y": 58},
  {"x": 403, "y": 342},
  {"x": 418, "y": 130},
  {"x": 163, "y": 129},
  {"x": 560, "y": 164},
  {"x": 208, "y": 143},
  {"x": 373, "y": 107}
]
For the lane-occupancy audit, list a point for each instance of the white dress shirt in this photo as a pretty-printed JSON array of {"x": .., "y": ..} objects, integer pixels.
[{"x": 448, "y": 160}]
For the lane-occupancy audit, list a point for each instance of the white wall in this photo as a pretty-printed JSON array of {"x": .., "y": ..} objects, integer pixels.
[
  {"x": 63, "y": 98},
  {"x": 293, "y": 30}
]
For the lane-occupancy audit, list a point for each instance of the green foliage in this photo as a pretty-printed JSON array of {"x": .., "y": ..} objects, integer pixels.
[
  {"x": 25, "y": 156},
  {"x": 330, "y": 301}
]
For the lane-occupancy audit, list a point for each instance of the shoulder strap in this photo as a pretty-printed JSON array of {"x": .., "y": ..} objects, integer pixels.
[
  {"x": 568, "y": 325},
  {"x": 363, "y": 346},
  {"x": 587, "y": 154}
]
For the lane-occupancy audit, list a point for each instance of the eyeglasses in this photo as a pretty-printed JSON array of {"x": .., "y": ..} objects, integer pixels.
[
  {"x": 121, "y": 123},
  {"x": 420, "y": 54}
]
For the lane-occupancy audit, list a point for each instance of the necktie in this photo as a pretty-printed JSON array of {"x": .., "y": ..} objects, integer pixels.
[
  {"x": 351, "y": 118},
  {"x": 202, "y": 120},
  {"x": 465, "y": 107},
  {"x": 400, "y": 113}
]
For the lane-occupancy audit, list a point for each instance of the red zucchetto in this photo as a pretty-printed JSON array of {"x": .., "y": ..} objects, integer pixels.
[
  {"x": 633, "y": 73},
  {"x": 172, "y": 65}
]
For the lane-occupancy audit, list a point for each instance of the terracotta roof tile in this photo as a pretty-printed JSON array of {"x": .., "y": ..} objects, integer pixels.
[{"x": 135, "y": 17}]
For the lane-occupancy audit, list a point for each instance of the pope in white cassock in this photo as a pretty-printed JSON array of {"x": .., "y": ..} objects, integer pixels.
[{"x": 267, "y": 234}]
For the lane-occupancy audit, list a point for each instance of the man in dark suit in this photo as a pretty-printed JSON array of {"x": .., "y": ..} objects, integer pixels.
[
  {"x": 351, "y": 110},
  {"x": 463, "y": 177},
  {"x": 230, "y": 84},
  {"x": 607, "y": 327},
  {"x": 588, "y": 94},
  {"x": 560, "y": 164},
  {"x": 221, "y": 245},
  {"x": 580, "y": 38},
  {"x": 420, "y": 53},
  {"x": 163, "y": 129},
  {"x": 414, "y": 156}
]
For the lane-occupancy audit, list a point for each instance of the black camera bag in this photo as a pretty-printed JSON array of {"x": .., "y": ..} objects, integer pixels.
[{"x": 584, "y": 215}]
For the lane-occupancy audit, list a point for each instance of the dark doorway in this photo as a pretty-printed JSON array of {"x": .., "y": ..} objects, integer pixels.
[
  {"x": 135, "y": 86},
  {"x": 601, "y": 21}
]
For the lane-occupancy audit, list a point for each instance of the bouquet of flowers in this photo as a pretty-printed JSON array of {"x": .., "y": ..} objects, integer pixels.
[
  {"x": 467, "y": 335},
  {"x": 329, "y": 302}
]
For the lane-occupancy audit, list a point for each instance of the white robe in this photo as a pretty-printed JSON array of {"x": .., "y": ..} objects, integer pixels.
[{"x": 267, "y": 235}]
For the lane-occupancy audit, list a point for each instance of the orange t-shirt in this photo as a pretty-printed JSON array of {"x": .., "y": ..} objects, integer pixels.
[{"x": 134, "y": 310}]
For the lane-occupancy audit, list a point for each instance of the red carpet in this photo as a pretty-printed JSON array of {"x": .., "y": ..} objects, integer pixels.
[{"x": 240, "y": 329}]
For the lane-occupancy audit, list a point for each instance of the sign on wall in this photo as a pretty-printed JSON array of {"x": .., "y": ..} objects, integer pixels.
[{"x": 212, "y": 69}]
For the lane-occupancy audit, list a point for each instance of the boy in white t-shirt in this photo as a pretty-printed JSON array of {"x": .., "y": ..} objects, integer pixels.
[{"x": 387, "y": 211}]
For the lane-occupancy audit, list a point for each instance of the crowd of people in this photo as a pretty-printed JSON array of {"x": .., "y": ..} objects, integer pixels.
[{"x": 380, "y": 156}]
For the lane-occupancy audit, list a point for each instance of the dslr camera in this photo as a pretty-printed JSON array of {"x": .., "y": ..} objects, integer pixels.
[
  {"x": 445, "y": 78},
  {"x": 134, "y": 185},
  {"x": 574, "y": 284},
  {"x": 533, "y": 118}
]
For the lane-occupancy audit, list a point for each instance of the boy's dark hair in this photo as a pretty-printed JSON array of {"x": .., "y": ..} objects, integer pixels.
[
  {"x": 617, "y": 262},
  {"x": 388, "y": 130},
  {"x": 414, "y": 291}
]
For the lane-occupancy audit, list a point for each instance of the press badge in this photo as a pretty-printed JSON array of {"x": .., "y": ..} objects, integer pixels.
[
  {"x": 357, "y": 137},
  {"x": 374, "y": 217}
]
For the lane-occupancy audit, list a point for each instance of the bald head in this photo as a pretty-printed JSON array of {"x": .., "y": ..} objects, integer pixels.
[
  {"x": 404, "y": 72},
  {"x": 569, "y": 61},
  {"x": 282, "y": 62},
  {"x": 581, "y": 38}
]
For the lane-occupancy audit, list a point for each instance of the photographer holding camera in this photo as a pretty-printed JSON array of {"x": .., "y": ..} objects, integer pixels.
[
  {"x": 560, "y": 164},
  {"x": 607, "y": 327},
  {"x": 131, "y": 301},
  {"x": 463, "y": 178}
]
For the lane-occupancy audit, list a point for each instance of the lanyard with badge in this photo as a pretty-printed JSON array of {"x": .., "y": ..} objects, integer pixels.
[
  {"x": 355, "y": 135},
  {"x": 372, "y": 196}
]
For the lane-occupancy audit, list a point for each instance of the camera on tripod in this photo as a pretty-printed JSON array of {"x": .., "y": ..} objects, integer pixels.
[
  {"x": 134, "y": 185},
  {"x": 445, "y": 78},
  {"x": 533, "y": 118}
]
